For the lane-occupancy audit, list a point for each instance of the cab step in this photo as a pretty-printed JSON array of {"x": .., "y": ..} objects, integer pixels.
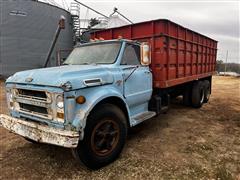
[{"x": 142, "y": 117}]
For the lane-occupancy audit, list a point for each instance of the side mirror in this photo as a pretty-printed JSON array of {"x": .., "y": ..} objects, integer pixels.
[{"x": 145, "y": 54}]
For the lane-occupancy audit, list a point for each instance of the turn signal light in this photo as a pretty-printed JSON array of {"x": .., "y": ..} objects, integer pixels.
[{"x": 81, "y": 100}]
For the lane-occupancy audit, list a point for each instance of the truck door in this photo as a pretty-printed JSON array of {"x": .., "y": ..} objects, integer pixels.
[{"x": 137, "y": 78}]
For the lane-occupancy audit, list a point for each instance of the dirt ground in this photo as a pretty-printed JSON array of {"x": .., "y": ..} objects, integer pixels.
[{"x": 185, "y": 143}]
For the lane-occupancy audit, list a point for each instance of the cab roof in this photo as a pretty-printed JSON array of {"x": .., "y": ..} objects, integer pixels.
[{"x": 107, "y": 41}]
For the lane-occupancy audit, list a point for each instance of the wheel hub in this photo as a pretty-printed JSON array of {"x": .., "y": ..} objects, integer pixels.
[{"x": 105, "y": 137}]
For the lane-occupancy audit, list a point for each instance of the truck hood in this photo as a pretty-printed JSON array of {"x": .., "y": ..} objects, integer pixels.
[{"x": 78, "y": 76}]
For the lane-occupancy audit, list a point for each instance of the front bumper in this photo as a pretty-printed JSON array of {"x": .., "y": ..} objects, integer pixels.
[{"x": 40, "y": 133}]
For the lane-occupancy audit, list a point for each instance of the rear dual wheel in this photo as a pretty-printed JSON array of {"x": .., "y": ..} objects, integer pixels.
[
  {"x": 197, "y": 94},
  {"x": 207, "y": 91},
  {"x": 200, "y": 93},
  {"x": 104, "y": 138}
]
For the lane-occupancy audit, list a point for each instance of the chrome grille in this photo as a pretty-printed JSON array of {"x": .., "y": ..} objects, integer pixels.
[
  {"x": 33, "y": 109},
  {"x": 30, "y": 94},
  {"x": 34, "y": 102}
]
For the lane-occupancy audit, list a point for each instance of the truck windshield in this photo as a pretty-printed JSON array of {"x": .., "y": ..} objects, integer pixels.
[{"x": 102, "y": 53}]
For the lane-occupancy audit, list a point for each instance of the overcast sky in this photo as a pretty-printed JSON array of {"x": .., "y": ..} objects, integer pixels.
[{"x": 218, "y": 20}]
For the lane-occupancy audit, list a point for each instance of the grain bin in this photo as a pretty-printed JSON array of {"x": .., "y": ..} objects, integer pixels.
[{"x": 27, "y": 28}]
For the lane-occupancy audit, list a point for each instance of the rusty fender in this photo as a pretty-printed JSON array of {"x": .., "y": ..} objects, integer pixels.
[{"x": 40, "y": 133}]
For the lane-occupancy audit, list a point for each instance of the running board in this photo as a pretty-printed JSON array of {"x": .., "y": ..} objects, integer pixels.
[{"x": 142, "y": 117}]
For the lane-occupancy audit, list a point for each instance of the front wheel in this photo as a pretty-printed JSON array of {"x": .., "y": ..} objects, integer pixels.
[{"x": 104, "y": 137}]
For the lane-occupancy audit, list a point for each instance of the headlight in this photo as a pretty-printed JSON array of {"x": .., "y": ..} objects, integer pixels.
[{"x": 59, "y": 102}]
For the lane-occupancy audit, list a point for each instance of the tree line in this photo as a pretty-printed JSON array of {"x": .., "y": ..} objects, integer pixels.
[{"x": 230, "y": 67}]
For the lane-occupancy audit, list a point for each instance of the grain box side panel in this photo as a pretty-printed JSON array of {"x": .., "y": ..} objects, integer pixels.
[{"x": 178, "y": 54}]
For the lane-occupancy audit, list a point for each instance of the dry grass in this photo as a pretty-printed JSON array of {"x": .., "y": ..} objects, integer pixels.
[{"x": 185, "y": 143}]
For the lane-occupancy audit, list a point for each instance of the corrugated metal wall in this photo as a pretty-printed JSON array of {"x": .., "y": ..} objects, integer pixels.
[{"x": 26, "y": 31}]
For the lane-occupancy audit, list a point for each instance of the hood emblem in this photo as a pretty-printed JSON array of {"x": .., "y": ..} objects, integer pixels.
[{"x": 29, "y": 79}]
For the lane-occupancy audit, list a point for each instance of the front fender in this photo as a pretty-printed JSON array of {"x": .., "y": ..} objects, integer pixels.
[{"x": 93, "y": 96}]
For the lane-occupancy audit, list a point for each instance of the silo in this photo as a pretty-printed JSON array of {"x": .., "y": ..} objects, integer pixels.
[{"x": 27, "y": 28}]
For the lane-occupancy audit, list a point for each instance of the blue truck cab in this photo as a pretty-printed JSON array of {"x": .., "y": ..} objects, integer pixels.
[{"x": 88, "y": 103}]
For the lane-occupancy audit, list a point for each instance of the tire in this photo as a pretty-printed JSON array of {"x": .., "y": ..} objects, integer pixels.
[
  {"x": 104, "y": 137},
  {"x": 187, "y": 96},
  {"x": 197, "y": 94},
  {"x": 207, "y": 91}
]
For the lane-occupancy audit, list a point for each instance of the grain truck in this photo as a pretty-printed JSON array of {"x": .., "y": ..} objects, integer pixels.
[{"x": 122, "y": 77}]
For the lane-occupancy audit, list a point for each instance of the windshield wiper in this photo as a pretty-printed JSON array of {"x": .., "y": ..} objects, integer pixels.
[
  {"x": 88, "y": 63},
  {"x": 80, "y": 64}
]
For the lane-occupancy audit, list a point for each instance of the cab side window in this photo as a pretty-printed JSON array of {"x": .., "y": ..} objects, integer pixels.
[{"x": 131, "y": 55}]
